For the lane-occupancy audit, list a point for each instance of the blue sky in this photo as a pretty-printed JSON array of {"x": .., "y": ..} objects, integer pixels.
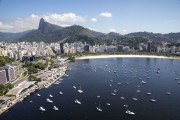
[{"x": 122, "y": 16}]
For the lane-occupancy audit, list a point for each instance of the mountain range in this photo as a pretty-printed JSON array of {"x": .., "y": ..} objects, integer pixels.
[{"x": 48, "y": 32}]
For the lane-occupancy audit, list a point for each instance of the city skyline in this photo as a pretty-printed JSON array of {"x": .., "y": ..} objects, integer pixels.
[{"x": 105, "y": 16}]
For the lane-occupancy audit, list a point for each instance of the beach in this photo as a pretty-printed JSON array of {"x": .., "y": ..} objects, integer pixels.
[{"x": 125, "y": 56}]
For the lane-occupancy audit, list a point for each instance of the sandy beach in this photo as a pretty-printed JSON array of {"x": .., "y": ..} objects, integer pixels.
[{"x": 125, "y": 56}]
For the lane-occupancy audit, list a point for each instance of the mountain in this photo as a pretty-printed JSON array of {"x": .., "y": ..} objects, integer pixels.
[
  {"x": 170, "y": 37},
  {"x": 48, "y": 32},
  {"x": 10, "y": 37}
]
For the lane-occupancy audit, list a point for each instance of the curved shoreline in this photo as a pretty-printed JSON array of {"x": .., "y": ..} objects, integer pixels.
[{"x": 125, "y": 56}]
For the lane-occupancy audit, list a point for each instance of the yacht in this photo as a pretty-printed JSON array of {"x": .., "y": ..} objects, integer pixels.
[
  {"x": 80, "y": 90},
  {"x": 113, "y": 94},
  {"x": 135, "y": 99},
  {"x": 148, "y": 93},
  {"x": 152, "y": 100},
  {"x": 122, "y": 98},
  {"x": 50, "y": 96},
  {"x": 42, "y": 109},
  {"x": 74, "y": 87},
  {"x": 138, "y": 91},
  {"x": 108, "y": 104},
  {"x": 48, "y": 100},
  {"x": 98, "y": 96},
  {"x": 38, "y": 95},
  {"x": 55, "y": 108},
  {"x": 129, "y": 112},
  {"x": 61, "y": 93},
  {"x": 119, "y": 83},
  {"x": 143, "y": 82},
  {"x": 99, "y": 108},
  {"x": 77, "y": 101}
]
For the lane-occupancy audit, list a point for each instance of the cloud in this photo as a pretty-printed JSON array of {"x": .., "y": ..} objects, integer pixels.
[
  {"x": 112, "y": 30},
  {"x": 32, "y": 21},
  {"x": 105, "y": 14},
  {"x": 93, "y": 19}
]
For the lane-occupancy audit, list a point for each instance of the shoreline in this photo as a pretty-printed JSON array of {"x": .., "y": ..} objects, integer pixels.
[
  {"x": 29, "y": 91},
  {"x": 125, "y": 56}
]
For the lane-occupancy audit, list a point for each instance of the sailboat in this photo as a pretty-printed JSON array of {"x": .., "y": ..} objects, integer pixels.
[
  {"x": 77, "y": 101},
  {"x": 128, "y": 111},
  {"x": 80, "y": 90},
  {"x": 55, "y": 108},
  {"x": 42, "y": 109},
  {"x": 99, "y": 108}
]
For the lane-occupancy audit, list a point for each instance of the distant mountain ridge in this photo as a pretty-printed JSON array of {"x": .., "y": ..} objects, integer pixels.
[{"x": 48, "y": 32}]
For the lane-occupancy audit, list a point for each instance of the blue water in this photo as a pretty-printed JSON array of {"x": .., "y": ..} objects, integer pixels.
[{"x": 128, "y": 70}]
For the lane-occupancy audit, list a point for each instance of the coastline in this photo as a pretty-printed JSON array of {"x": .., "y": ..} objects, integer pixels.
[
  {"x": 38, "y": 86},
  {"x": 125, "y": 56}
]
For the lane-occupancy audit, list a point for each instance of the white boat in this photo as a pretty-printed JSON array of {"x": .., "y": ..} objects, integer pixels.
[
  {"x": 80, "y": 90},
  {"x": 143, "y": 82},
  {"x": 138, "y": 91},
  {"x": 61, "y": 93},
  {"x": 168, "y": 93},
  {"x": 110, "y": 85},
  {"x": 135, "y": 99},
  {"x": 113, "y": 94},
  {"x": 77, "y": 101},
  {"x": 31, "y": 101},
  {"x": 129, "y": 112},
  {"x": 108, "y": 104},
  {"x": 176, "y": 78},
  {"x": 66, "y": 75},
  {"x": 48, "y": 100},
  {"x": 115, "y": 90},
  {"x": 122, "y": 98},
  {"x": 99, "y": 108},
  {"x": 98, "y": 96},
  {"x": 119, "y": 83},
  {"x": 38, "y": 95},
  {"x": 152, "y": 100},
  {"x": 55, "y": 108},
  {"x": 42, "y": 109},
  {"x": 74, "y": 87},
  {"x": 50, "y": 96},
  {"x": 57, "y": 82},
  {"x": 148, "y": 93}
]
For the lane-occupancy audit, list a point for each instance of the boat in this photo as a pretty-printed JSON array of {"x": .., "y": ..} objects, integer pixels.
[
  {"x": 50, "y": 96},
  {"x": 110, "y": 85},
  {"x": 42, "y": 109},
  {"x": 108, "y": 104},
  {"x": 98, "y": 96},
  {"x": 77, "y": 101},
  {"x": 152, "y": 100},
  {"x": 99, "y": 108},
  {"x": 122, "y": 98},
  {"x": 80, "y": 90},
  {"x": 74, "y": 87},
  {"x": 61, "y": 93},
  {"x": 135, "y": 99},
  {"x": 38, "y": 95},
  {"x": 119, "y": 83},
  {"x": 138, "y": 91},
  {"x": 148, "y": 93},
  {"x": 115, "y": 90},
  {"x": 31, "y": 101},
  {"x": 143, "y": 82},
  {"x": 57, "y": 82},
  {"x": 176, "y": 78},
  {"x": 129, "y": 112},
  {"x": 48, "y": 100},
  {"x": 178, "y": 82},
  {"x": 55, "y": 108},
  {"x": 113, "y": 94},
  {"x": 168, "y": 93},
  {"x": 66, "y": 75}
]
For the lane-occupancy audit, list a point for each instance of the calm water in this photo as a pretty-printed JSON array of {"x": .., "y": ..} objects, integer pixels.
[{"x": 128, "y": 70}]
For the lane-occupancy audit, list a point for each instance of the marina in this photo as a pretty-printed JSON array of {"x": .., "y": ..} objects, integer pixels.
[{"x": 99, "y": 100}]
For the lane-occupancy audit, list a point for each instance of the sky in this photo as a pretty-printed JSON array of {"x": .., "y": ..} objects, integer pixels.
[{"x": 121, "y": 16}]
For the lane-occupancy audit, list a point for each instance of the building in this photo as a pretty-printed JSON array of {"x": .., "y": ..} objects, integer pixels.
[
  {"x": 86, "y": 48},
  {"x": 3, "y": 77},
  {"x": 149, "y": 46},
  {"x": 62, "y": 48},
  {"x": 120, "y": 48}
]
